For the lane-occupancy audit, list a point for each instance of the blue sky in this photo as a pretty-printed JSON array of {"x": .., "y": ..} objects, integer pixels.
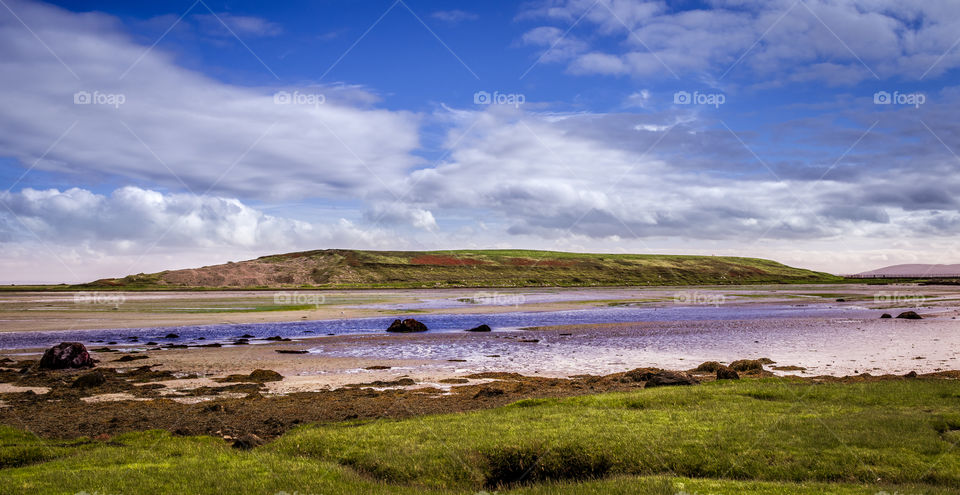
[{"x": 217, "y": 131}]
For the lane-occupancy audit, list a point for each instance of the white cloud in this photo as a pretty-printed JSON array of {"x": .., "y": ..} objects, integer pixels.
[
  {"x": 83, "y": 235},
  {"x": 175, "y": 124},
  {"x": 841, "y": 43}
]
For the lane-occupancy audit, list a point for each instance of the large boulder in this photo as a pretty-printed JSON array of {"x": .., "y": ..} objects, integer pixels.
[
  {"x": 407, "y": 326},
  {"x": 66, "y": 355}
]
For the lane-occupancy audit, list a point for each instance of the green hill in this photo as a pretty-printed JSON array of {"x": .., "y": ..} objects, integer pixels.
[{"x": 338, "y": 268}]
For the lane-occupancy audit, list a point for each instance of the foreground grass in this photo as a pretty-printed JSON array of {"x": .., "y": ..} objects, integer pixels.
[{"x": 754, "y": 436}]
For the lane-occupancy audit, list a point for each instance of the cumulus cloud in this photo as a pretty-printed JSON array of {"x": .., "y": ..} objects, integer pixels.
[
  {"x": 145, "y": 118},
  {"x": 841, "y": 43},
  {"x": 84, "y": 235}
]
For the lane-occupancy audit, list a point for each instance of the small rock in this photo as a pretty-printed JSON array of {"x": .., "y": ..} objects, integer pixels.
[
  {"x": 171, "y": 336},
  {"x": 481, "y": 328},
  {"x": 909, "y": 315},
  {"x": 407, "y": 326},
  {"x": 666, "y": 378},
  {"x": 912, "y": 374},
  {"x": 130, "y": 357},
  {"x": 886, "y": 315},
  {"x": 247, "y": 442}
]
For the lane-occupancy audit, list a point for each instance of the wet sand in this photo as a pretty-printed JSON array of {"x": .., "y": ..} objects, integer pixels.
[
  {"x": 45, "y": 311},
  {"x": 821, "y": 345}
]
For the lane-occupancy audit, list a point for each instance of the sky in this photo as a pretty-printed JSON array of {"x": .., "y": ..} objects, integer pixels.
[{"x": 143, "y": 136}]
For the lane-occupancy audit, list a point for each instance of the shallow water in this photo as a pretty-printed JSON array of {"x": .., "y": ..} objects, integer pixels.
[
  {"x": 824, "y": 338},
  {"x": 436, "y": 322}
]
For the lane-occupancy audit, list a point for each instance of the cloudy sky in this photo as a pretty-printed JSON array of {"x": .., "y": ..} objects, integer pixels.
[{"x": 141, "y": 136}]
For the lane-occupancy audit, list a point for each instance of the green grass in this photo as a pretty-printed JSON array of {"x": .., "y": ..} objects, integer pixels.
[{"x": 752, "y": 436}]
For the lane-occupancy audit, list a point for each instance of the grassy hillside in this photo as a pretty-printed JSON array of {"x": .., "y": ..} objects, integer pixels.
[
  {"x": 337, "y": 268},
  {"x": 769, "y": 436}
]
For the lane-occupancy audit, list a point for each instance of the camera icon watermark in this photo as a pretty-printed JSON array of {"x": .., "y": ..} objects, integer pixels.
[
  {"x": 298, "y": 299},
  {"x": 698, "y": 98},
  {"x": 498, "y": 98},
  {"x": 97, "y": 98},
  {"x": 498, "y": 299},
  {"x": 298, "y": 98},
  {"x": 101, "y": 298},
  {"x": 898, "y": 98},
  {"x": 899, "y": 299},
  {"x": 698, "y": 298}
]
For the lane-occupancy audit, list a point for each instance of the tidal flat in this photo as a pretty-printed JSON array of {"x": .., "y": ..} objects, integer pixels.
[{"x": 556, "y": 398}]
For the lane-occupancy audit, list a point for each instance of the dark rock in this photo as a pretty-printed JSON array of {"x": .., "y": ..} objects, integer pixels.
[
  {"x": 247, "y": 336},
  {"x": 247, "y": 442},
  {"x": 666, "y": 378},
  {"x": 886, "y": 315},
  {"x": 407, "y": 326},
  {"x": 90, "y": 380},
  {"x": 725, "y": 373},
  {"x": 290, "y": 351},
  {"x": 841, "y": 300},
  {"x": 909, "y": 315},
  {"x": 66, "y": 355},
  {"x": 171, "y": 336},
  {"x": 481, "y": 328},
  {"x": 130, "y": 357},
  {"x": 529, "y": 341},
  {"x": 277, "y": 338},
  {"x": 912, "y": 374}
]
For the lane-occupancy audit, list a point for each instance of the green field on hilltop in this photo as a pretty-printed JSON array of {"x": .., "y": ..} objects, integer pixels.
[
  {"x": 767, "y": 436},
  {"x": 337, "y": 268}
]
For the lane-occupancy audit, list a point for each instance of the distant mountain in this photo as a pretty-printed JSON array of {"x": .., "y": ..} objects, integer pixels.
[
  {"x": 342, "y": 268},
  {"x": 914, "y": 270}
]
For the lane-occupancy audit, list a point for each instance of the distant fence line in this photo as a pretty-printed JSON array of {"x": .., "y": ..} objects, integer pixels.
[{"x": 912, "y": 275}]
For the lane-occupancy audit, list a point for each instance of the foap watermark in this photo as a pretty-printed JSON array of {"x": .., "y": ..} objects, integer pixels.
[
  {"x": 298, "y": 299},
  {"x": 698, "y": 298},
  {"x": 104, "y": 298},
  {"x": 899, "y": 299},
  {"x": 698, "y": 98},
  {"x": 498, "y": 98},
  {"x": 298, "y": 98},
  {"x": 898, "y": 98},
  {"x": 97, "y": 98},
  {"x": 498, "y": 299}
]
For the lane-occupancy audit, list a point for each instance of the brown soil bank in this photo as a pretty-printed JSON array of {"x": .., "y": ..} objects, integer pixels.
[{"x": 63, "y": 412}]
